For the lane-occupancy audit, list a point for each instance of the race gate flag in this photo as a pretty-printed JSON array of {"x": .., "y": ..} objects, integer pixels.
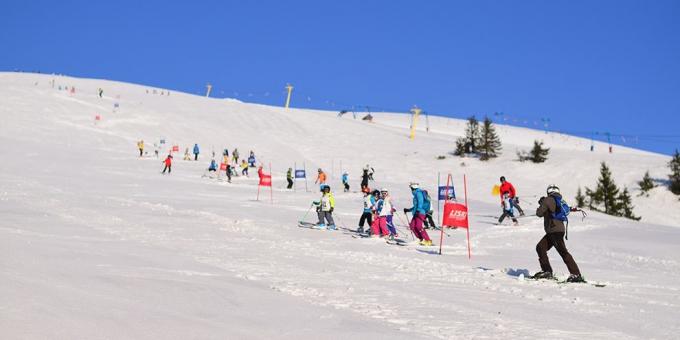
[
  {"x": 300, "y": 174},
  {"x": 223, "y": 166},
  {"x": 265, "y": 180},
  {"x": 175, "y": 148},
  {"x": 443, "y": 194},
  {"x": 455, "y": 215}
]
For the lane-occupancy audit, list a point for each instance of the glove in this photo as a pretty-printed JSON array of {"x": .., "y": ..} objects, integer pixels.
[
  {"x": 406, "y": 210},
  {"x": 516, "y": 200},
  {"x": 540, "y": 200},
  {"x": 330, "y": 211},
  {"x": 316, "y": 202}
]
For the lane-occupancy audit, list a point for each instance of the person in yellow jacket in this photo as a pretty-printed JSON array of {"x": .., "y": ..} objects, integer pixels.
[
  {"x": 325, "y": 207},
  {"x": 140, "y": 146}
]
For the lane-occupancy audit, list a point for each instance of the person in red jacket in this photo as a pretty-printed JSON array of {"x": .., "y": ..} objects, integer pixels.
[
  {"x": 514, "y": 200},
  {"x": 168, "y": 164}
]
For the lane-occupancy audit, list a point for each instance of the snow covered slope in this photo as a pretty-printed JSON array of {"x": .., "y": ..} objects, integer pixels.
[{"x": 95, "y": 243}]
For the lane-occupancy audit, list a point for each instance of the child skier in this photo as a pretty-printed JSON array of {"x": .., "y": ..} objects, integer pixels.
[
  {"x": 510, "y": 189},
  {"x": 213, "y": 165},
  {"x": 244, "y": 168},
  {"x": 186, "y": 155},
  {"x": 234, "y": 155},
  {"x": 367, "y": 215},
  {"x": 251, "y": 159},
  {"x": 345, "y": 181},
  {"x": 168, "y": 164},
  {"x": 507, "y": 209},
  {"x": 385, "y": 212},
  {"x": 325, "y": 208},
  {"x": 418, "y": 215},
  {"x": 140, "y": 146}
]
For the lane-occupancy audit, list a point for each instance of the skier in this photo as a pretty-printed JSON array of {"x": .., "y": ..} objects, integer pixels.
[
  {"x": 320, "y": 178},
  {"x": 196, "y": 152},
  {"x": 140, "y": 146},
  {"x": 418, "y": 215},
  {"x": 213, "y": 166},
  {"x": 364, "y": 180},
  {"x": 428, "y": 222},
  {"x": 251, "y": 159},
  {"x": 186, "y": 155},
  {"x": 325, "y": 208},
  {"x": 168, "y": 164},
  {"x": 229, "y": 168},
  {"x": 155, "y": 149},
  {"x": 345, "y": 181},
  {"x": 289, "y": 178},
  {"x": 367, "y": 215},
  {"x": 234, "y": 155},
  {"x": 514, "y": 200},
  {"x": 507, "y": 209},
  {"x": 385, "y": 211},
  {"x": 244, "y": 167},
  {"x": 551, "y": 208}
]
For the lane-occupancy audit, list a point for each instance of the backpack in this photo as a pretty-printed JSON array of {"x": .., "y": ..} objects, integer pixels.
[
  {"x": 427, "y": 201},
  {"x": 561, "y": 213}
]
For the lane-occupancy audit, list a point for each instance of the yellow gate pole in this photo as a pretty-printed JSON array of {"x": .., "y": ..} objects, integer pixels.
[
  {"x": 416, "y": 112},
  {"x": 289, "y": 87}
]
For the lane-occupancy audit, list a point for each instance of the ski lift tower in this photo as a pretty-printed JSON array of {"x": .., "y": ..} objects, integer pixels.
[
  {"x": 416, "y": 112},
  {"x": 209, "y": 88},
  {"x": 289, "y": 87}
]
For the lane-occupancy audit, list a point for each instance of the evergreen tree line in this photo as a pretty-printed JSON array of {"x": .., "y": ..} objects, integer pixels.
[
  {"x": 482, "y": 141},
  {"x": 607, "y": 197},
  {"x": 647, "y": 183}
]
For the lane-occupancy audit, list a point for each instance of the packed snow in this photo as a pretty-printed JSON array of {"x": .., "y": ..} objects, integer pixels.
[{"x": 95, "y": 243}]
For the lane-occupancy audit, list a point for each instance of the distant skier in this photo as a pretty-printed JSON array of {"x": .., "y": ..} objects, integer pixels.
[
  {"x": 100, "y": 91},
  {"x": 289, "y": 178},
  {"x": 418, "y": 215},
  {"x": 244, "y": 168},
  {"x": 507, "y": 209},
  {"x": 364, "y": 180},
  {"x": 325, "y": 207},
  {"x": 196, "y": 151},
  {"x": 553, "y": 210},
  {"x": 187, "y": 156},
  {"x": 140, "y": 146},
  {"x": 251, "y": 159},
  {"x": 385, "y": 211},
  {"x": 168, "y": 164},
  {"x": 345, "y": 181},
  {"x": 155, "y": 149},
  {"x": 367, "y": 215},
  {"x": 320, "y": 178},
  {"x": 514, "y": 200},
  {"x": 228, "y": 168},
  {"x": 213, "y": 166},
  {"x": 234, "y": 155}
]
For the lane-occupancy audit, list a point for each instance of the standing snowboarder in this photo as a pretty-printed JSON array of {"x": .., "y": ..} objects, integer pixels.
[
  {"x": 196, "y": 151},
  {"x": 289, "y": 178},
  {"x": 418, "y": 215},
  {"x": 514, "y": 200},
  {"x": 168, "y": 164},
  {"x": 552, "y": 209},
  {"x": 325, "y": 207}
]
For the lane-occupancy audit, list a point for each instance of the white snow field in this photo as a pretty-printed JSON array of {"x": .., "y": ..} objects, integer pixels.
[{"x": 96, "y": 244}]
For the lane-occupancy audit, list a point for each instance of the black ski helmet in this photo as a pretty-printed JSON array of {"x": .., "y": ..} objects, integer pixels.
[
  {"x": 376, "y": 192},
  {"x": 502, "y": 178}
]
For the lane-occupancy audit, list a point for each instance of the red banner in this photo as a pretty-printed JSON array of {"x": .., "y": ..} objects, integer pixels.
[
  {"x": 266, "y": 180},
  {"x": 223, "y": 166},
  {"x": 455, "y": 215}
]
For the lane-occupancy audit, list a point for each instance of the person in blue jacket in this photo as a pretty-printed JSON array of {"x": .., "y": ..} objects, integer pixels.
[
  {"x": 369, "y": 206},
  {"x": 196, "y": 152},
  {"x": 213, "y": 165},
  {"x": 419, "y": 212},
  {"x": 345, "y": 181}
]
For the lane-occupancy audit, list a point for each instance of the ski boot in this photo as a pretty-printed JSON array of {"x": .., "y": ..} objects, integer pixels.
[
  {"x": 426, "y": 243},
  {"x": 542, "y": 275},
  {"x": 332, "y": 227},
  {"x": 360, "y": 230},
  {"x": 574, "y": 278},
  {"x": 320, "y": 226}
]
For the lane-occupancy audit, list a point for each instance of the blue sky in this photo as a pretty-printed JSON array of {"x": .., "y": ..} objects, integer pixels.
[{"x": 588, "y": 66}]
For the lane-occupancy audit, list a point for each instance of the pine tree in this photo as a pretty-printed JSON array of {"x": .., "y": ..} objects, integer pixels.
[
  {"x": 580, "y": 199},
  {"x": 538, "y": 153},
  {"x": 490, "y": 142},
  {"x": 460, "y": 147},
  {"x": 674, "y": 177},
  {"x": 646, "y": 184},
  {"x": 472, "y": 135},
  {"x": 626, "y": 205},
  {"x": 606, "y": 193}
]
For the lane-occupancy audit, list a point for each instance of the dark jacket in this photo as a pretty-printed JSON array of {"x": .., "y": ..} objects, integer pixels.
[{"x": 546, "y": 210}]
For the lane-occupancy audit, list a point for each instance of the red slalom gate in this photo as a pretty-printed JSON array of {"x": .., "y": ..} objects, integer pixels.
[
  {"x": 265, "y": 181},
  {"x": 455, "y": 215}
]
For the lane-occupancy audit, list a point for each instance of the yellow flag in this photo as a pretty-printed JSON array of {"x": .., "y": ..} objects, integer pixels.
[{"x": 496, "y": 190}]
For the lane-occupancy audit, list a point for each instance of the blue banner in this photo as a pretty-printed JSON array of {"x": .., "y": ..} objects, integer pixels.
[
  {"x": 442, "y": 193},
  {"x": 300, "y": 174}
]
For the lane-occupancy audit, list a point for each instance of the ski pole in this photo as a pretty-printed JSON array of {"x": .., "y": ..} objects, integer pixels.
[
  {"x": 413, "y": 237},
  {"x": 308, "y": 210}
]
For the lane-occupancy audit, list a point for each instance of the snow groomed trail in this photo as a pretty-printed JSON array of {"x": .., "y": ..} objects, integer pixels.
[{"x": 95, "y": 243}]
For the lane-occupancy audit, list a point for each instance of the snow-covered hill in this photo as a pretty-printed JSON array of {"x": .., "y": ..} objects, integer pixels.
[{"x": 95, "y": 243}]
